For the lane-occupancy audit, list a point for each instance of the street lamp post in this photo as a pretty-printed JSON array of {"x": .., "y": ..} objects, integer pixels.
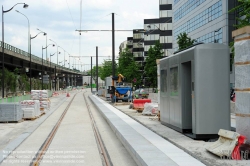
[
  {"x": 64, "y": 54},
  {"x": 46, "y": 42},
  {"x": 42, "y": 59},
  {"x": 50, "y": 71},
  {"x": 24, "y": 6},
  {"x": 56, "y": 50},
  {"x": 28, "y": 28},
  {"x": 30, "y": 53},
  {"x": 69, "y": 61}
]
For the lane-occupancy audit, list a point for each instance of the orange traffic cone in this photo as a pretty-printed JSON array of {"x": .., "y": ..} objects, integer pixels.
[{"x": 68, "y": 95}]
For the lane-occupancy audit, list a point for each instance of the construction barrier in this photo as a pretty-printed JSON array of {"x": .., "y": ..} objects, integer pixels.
[{"x": 138, "y": 104}]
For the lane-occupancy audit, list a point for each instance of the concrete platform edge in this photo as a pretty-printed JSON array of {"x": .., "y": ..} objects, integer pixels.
[{"x": 137, "y": 157}]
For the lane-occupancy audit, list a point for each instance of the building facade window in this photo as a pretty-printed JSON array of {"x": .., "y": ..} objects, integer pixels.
[
  {"x": 166, "y": 26},
  {"x": 138, "y": 54},
  {"x": 210, "y": 14},
  {"x": 163, "y": 2},
  {"x": 138, "y": 45},
  {"x": 166, "y": 39},
  {"x": 166, "y": 13},
  {"x": 187, "y": 7},
  {"x": 146, "y": 48},
  {"x": 152, "y": 26},
  {"x": 176, "y": 1},
  {"x": 151, "y": 37},
  {"x": 138, "y": 35},
  {"x": 212, "y": 37}
]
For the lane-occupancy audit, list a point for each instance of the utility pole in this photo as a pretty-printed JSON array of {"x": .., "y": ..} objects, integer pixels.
[
  {"x": 113, "y": 48},
  {"x": 91, "y": 74},
  {"x": 97, "y": 69}
]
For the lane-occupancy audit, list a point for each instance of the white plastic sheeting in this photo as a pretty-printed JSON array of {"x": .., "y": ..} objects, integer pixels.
[
  {"x": 45, "y": 104},
  {"x": 28, "y": 113},
  {"x": 225, "y": 145},
  {"x": 242, "y": 73},
  {"x": 242, "y": 51},
  {"x": 39, "y": 94},
  {"x": 150, "y": 109},
  {"x": 29, "y": 105}
]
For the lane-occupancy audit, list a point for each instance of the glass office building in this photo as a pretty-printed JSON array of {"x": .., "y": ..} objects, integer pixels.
[{"x": 206, "y": 21}]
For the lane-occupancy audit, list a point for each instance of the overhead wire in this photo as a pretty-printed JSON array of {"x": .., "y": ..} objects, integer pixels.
[
  {"x": 80, "y": 28},
  {"x": 72, "y": 19}
]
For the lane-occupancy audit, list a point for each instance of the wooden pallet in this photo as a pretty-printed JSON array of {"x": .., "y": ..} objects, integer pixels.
[
  {"x": 30, "y": 119},
  {"x": 123, "y": 103},
  {"x": 139, "y": 109},
  {"x": 43, "y": 113},
  {"x": 13, "y": 121}
]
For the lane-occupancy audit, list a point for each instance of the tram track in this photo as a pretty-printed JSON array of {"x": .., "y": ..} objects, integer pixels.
[
  {"x": 45, "y": 146},
  {"x": 102, "y": 149},
  {"x": 106, "y": 161}
]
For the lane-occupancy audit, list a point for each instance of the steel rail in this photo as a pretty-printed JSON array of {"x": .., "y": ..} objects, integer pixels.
[
  {"x": 36, "y": 161},
  {"x": 102, "y": 150}
]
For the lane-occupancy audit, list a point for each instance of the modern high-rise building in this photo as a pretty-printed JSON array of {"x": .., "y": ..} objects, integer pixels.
[
  {"x": 166, "y": 26},
  {"x": 206, "y": 21},
  {"x": 138, "y": 47},
  {"x": 160, "y": 29},
  {"x": 130, "y": 43}
]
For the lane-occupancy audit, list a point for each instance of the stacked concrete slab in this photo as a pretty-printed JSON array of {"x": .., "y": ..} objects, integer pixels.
[
  {"x": 242, "y": 80},
  {"x": 10, "y": 112}
]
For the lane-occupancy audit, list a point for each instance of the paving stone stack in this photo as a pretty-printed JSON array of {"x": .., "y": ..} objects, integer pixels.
[
  {"x": 10, "y": 112},
  {"x": 242, "y": 80}
]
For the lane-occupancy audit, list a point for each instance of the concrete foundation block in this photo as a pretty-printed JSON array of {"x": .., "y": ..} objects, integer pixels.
[
  {"x": 243, "y": 126},
  {"x": 242, "y": 78},
  {"x": 242, "y": 102},
  {"x": 242, "y": 51}
]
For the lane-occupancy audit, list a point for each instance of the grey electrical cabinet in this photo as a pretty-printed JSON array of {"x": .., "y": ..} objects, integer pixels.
[
  {"x": 195, "y": 90},
  {"x": 108, "y": 82}
]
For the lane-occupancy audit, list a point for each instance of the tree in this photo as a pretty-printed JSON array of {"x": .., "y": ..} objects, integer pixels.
[
  {"x": 94, "y": 72},
  {"x": 150, "y": 68},
  {"x": 107, "y": 69},
  {"x": 243, "y": 12},
  {"x": 128, "y": 67},
  {"x": 184, "y": 41}
]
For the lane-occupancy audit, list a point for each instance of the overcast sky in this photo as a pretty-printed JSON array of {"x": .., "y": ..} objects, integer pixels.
[{"x": 60, "y": 18}]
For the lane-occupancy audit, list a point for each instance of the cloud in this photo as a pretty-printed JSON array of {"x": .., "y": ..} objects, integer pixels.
[{"x": 60, "y": 18}]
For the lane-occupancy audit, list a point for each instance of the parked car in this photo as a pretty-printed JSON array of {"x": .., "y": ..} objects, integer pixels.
[{"x": 140, "y": 94}]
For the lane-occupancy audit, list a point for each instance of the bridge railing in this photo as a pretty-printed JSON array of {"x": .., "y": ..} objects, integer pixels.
[{"x": 33, "y": 57}]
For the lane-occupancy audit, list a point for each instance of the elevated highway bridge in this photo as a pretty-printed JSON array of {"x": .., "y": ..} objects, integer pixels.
[{"x": 17, "y": 58}]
